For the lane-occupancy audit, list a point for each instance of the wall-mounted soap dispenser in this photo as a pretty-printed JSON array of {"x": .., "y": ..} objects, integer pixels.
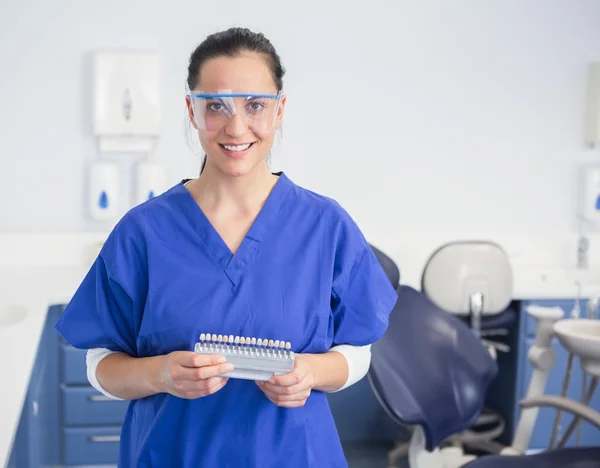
[
  {"x": 103, "y": 190},
  {"x": 151, "y": 181}
]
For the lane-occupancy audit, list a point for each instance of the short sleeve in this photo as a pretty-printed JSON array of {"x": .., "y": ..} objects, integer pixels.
[
  {"x": 362, "y": 295},
  {"x": 105, "y": 311}
]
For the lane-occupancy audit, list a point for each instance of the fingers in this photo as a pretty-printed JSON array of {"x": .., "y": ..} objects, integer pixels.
[
  {"x": 292, "y": 389},
  {"x": 287, "y": 400},
  {"x": 191, "y": 359},
  {"x": 288, "y": 404},
  {"x": 202, "y": 373},
  {"x": 203, "y": 388},
  {"x": 291, "y": 378}
]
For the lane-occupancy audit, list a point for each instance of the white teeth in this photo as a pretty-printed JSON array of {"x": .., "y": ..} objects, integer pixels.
[{"x": 237, "y": 148}]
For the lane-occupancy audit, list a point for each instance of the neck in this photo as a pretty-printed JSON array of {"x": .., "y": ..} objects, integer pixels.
[{"x": 214, "y": 188}]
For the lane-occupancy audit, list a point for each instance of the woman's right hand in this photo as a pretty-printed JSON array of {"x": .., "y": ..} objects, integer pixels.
[{"x": 190, "y": 375}]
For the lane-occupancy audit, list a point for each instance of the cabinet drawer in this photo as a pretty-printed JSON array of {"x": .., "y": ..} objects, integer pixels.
[
  {"x": 91, "y": 446},
  {"x": 73, "y": 366},
  {"x": 85, "y": 406}
]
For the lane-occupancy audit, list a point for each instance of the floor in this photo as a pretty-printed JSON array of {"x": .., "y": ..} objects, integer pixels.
[{"x": 372, "y": 455}]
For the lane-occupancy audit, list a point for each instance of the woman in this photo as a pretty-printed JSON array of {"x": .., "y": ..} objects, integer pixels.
[{"x": 238, "y": 251}]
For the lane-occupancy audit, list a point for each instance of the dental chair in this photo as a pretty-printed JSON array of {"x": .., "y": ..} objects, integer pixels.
[
  {"x": 473, "y": 280},
  {"x": 431, "y": 370}
]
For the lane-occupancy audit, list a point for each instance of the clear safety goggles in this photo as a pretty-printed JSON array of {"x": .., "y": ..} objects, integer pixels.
[{"x": 213, "y": 111}]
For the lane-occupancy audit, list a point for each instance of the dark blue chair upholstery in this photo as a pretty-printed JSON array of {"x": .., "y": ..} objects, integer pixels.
[
  {"x": 388, "y": 265},
  {"x": 429, "y": 369}
]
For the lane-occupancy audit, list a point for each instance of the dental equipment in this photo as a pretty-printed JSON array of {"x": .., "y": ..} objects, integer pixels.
[{"x": 252, "y": 358}]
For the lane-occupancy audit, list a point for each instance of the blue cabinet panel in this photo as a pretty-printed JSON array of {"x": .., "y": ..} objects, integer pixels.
[
  {"x": 73, "y": 366},
  {"x": 91, "y": 446},
  {"x": 590, "y": 435},
  {"x": 86, "y": 406}
]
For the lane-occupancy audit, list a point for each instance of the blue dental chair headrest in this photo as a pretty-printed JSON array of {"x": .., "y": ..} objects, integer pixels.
[
  {"x": 429, "y": 369},
  {"x": 388, "y": 265}
]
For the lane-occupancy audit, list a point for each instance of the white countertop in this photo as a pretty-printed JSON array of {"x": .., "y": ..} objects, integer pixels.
[{"x": 40, "y": 270}]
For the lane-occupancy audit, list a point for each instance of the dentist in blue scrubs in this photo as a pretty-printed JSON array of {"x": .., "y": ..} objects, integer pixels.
[{"x": 237, "y": 251}]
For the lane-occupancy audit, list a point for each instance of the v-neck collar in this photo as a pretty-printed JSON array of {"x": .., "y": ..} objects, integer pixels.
[{"x": 234, "y": 264}]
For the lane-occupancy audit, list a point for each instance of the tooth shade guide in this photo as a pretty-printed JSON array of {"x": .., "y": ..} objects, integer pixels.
[{"x": 252, "y": 358}]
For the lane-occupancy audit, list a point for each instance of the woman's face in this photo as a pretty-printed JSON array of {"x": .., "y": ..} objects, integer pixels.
[{"x": 225, "y": 144}]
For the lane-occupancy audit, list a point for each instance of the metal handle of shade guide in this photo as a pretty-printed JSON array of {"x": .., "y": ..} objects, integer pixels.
[{"x": 252, "y": 358}]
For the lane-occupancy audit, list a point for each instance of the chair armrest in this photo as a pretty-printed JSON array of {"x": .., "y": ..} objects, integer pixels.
[{"x": 564, "y": 404}]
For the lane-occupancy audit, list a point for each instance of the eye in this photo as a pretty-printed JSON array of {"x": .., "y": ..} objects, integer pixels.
[
  {"x": 255, "y": 106},
  {"x": 214, "y": 106}
]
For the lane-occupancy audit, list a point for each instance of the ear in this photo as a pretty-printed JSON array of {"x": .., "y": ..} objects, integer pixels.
[
  {"x": 190, "y": 108},
  {"x": 280, "y": 112}
]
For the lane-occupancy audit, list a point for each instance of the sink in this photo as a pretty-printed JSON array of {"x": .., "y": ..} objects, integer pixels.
[
  {"x": 581, "y": 337},
  {"x": 12, "y": 315}
]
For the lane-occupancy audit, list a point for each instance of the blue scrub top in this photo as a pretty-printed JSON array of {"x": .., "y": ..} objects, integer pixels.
[{"x": 304, "y": 273}]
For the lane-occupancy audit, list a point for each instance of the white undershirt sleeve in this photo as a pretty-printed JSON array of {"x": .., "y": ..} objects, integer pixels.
[
  {"x": 92, "y": 358},
  {"x": 359, "y": 361}
]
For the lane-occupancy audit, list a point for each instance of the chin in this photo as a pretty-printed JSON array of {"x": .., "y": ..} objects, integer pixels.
[{"x": 238, "y": 168}]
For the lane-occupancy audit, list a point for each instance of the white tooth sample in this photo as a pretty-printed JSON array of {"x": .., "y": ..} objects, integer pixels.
[
  {"x": 243, "y": 340},
  {"x": 288, "y": 345},
  {"x": 214, "y": 337},
  {"x": 276, "y": 343},
  {"x": 231, "y": 338},
  {"x": 237, "y": 340},
  {"x": 220, "y": 338},
  {"x": 259, "y": 342},
  {"x": 271, "y": 343},
  {"x": 253, "y": 341},
  {"x": 225, "y": 339},
  {"x": 202, "y": 336}
]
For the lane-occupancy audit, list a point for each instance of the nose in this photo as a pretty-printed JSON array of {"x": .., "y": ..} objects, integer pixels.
[{"x": 236, "y": 126}]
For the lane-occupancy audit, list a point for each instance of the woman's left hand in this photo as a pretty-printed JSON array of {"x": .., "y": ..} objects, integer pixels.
[{"x": 291, "y": 390}]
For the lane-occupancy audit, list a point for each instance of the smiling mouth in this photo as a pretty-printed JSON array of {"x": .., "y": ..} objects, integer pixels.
[{"x": 236, "y": 147}]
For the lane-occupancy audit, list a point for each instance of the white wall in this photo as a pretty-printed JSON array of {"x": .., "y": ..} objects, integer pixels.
[{"x": 463, "y": 116}]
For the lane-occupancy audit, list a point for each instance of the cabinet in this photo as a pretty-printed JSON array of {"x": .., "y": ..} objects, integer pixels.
[{"x": 65, "y": 421}]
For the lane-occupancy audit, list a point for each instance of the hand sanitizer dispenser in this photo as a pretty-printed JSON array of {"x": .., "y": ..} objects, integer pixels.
[
  {"x": 589, "y": 196},
  {"x": 126, "y": 104},
  {"x": 103, "y": 190},
  {"x": 150, "y": 181}
]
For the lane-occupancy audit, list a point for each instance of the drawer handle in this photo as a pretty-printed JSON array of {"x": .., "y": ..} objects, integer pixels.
[
  {"x": 100, "y": 398},
  {"x": 107, "y": 438}
]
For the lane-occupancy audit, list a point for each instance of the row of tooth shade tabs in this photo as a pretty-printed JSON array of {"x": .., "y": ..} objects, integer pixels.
[{"x": 245, "y": 341}]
